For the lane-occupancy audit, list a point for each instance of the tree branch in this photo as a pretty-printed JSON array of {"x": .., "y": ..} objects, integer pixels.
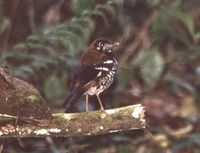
[
  {"x": 79, "y": 124},
  {"x": 24, "y": 113}
]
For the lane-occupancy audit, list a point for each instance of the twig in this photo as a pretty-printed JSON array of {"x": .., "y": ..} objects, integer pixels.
[
  {"x": 31, "y": 16},
  {"x": 17, "y": 118}
]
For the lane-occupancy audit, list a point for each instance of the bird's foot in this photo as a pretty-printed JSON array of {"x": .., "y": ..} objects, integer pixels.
[{"x": 102, "y": 109}]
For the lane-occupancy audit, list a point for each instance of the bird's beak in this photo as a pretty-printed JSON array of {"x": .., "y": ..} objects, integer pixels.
[
  {"x": 116, "y": 44},
  {"x": 111, "y": 46}
]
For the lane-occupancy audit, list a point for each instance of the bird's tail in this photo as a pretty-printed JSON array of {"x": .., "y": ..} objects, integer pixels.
[{"x": 72, "y": 99}]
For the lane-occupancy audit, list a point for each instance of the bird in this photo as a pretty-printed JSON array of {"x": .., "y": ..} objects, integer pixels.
[{"x": 95, "y": 73}]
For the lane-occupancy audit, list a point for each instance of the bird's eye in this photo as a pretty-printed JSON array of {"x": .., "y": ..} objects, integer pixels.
[{"x": 101, "y": 45}]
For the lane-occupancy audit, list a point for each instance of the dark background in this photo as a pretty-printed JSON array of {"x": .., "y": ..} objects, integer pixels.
[{"x": 159, "y": 60}]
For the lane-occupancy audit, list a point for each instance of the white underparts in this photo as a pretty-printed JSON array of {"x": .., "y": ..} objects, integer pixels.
[
  {"x": 92, "y": 91},
  {"x": 108, "y": 62},
  {"x": 99, "y": 74},
  {"x": 102, "y": 68}
]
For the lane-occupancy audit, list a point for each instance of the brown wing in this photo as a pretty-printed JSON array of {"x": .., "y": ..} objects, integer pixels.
[
  {"x": 90, "y": 58},
  {"x": 83, "y": 75}
]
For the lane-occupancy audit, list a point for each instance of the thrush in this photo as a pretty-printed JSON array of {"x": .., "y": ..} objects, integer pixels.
[{"x": 96, "y": 72}]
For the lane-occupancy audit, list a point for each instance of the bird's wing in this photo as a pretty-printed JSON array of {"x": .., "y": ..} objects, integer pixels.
[
  {"x": 86, "y": 74},
  {"x": 82, "y": 76}
]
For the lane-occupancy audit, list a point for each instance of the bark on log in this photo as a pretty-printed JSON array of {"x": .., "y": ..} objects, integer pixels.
[
  {"x": 24, "y": 113},
  {"x": 20, "y": 98},
  {"x": 79, "y": 124}
]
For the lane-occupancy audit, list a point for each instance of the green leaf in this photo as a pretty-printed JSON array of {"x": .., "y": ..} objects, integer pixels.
[
  {"x": 195, "y": 138},
  {"x": 197, "y": 35},
  {"x": 119, "y": 3},
  {"x": 24, "y": 71},
  {"x": 53, "y": 87},
  {"x": 41, "y": 46},
  {"x": 99, "y": 14},
  {"x": 107, "y": 9},
  {"x": 151, "y": 65},
  {"x": 125, "y": 148},
  {"x": 37, "y": 38},
  {"x": 88, "y": 26},
  {"x": 124, "y": 77},
  {"x": 4, "y": 25},
  {"x": 188, "y": 21},
  {"x": 78, "y": 6},
  {"x": 161, "y": 24},
  {"x": 37, "y": 65},
  {"x": 179, "y": 82},
  {"x": 20, "y": 46},
  {"x": 47, "y": 59}
]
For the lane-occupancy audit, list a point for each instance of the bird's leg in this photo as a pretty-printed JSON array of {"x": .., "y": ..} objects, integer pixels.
[
  {"x": 86, "y": 103},
  {"x": 102, "y": 108}
]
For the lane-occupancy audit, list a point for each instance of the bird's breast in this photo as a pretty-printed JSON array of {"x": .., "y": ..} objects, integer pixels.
[{"x": 102, "y": 83}]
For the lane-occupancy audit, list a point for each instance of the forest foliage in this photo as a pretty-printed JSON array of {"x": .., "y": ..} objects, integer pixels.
[{"x": 159, "y": 65}]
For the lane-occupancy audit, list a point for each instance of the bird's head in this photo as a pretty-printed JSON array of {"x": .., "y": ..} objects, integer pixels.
[{"x": 104, "y": 45}]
